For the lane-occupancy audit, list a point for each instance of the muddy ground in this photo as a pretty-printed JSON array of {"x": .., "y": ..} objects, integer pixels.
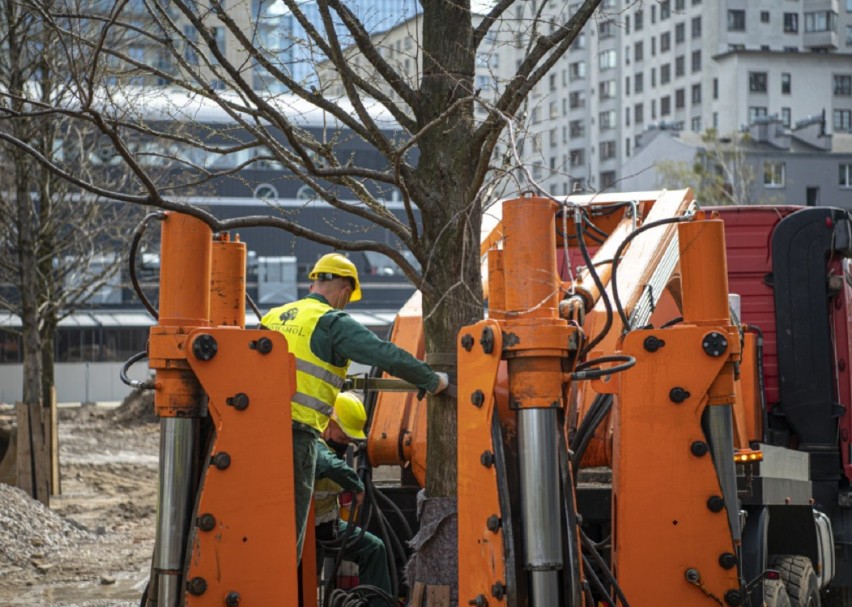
[{"x": 93, "y": 547}]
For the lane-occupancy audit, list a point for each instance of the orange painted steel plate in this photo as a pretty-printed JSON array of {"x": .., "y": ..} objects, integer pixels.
[
  {"x": 662, "y": 523},
  {"x": 481, "y": 551},
  {"x": 251, "y": 548}
]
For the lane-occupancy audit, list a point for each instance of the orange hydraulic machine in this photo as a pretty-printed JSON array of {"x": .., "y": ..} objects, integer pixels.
[{"x": 226, "y": 524}]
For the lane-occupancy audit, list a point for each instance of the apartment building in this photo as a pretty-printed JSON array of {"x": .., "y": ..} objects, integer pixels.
[{"x": 694, "y": 65}]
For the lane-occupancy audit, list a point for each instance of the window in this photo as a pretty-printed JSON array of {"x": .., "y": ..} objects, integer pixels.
[
  {"x": 190, "y": 33},
  {"x": 665, "y": 42},
  {"x": 577, "y": 99},
  {"x": 552, "y": 83},
  {"x": 679, "y": 5},
  {"x": 785, "y": 83},
  {"x": 627, "y": 116},
  {"x": 755, "y": 112},
  {"x": 638, "y": 113},
  {"x": 665, "y": 73},
  {"x": 638, "y": 82},
  {"x": 607, "y": 60},
  {"x": 606, "y": 29},
  {"x": 696, "y": 27},
  {"x": 653, "y": 14},
  {"x": 627, "y": 146},
  {"x": 696, "y": 61},
  {"x": 535, "y": 117},
  {"x": 637, "y": 21},
  {"x": 679, "y": 66},
  {"x": 577, "y": 157},
  {"x": 791, "y": 23},
  {"x": 653, "y": 77},
  {"x": 786, "y": 117},
  {"x": 665, "y": 105},
  {"x": 773, "y": 174},
  {"x": 553, "y": 110},
  {"x": 627, "y": 85},
  {"x": 680, "y": 99},
  {"x": 219, "y": 40},
  {"x": 606, "y": 89},
  {"x": 680, "y": 33},
  {"x": 764, "y": 16},
  {"x": 653, "y": 47},
  {"x": 607, "y": 120},
  {"x": 607, "y": 179},
  {"x": 849, "y": 35},
  {"x": 821, "y": 21},
  {"x": 843, "y": 120},
  {"x": 553, "y": 136},
  {"x": 757, "y": 82},
  {"x": 653, "y": 109},
  {"x": 696, "y": 94},
  {"x": 696, "y": 124},
  {"x": 665, "y": 10},
  {"x": 715, "y": 88},
  {"x": 736, "y": 21},
  {"x": 845, "y": 176},
  {"x": 577, "y": 128},
  {"x": 577, "y": 69},
  {"x": 638, "y": 51},
  {"x": 843, "y": 84},
  {"x": 607, "y": 150}
]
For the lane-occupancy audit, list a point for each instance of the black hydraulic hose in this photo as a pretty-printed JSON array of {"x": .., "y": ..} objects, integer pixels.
[
  {"x": 598, "y": 283},
  {"x": 389, "y": 502},
  {"x": 604, "y": 566},
  {"x": 588, "y": 370},
  {"x": 597, "y": 413},
  {"x": 592, "y": 576},
  {"x": 134, "y": 245},
  {"x": 672, "y": 322},
  {"x": 134, "y": 383},
  {"x": 625, "y": 322}
]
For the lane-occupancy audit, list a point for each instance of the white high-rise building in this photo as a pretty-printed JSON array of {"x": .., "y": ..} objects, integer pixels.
[{"x": 691, "y": 65}]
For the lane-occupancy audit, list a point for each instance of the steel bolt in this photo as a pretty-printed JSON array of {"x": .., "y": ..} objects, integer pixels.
[
  {"x": 204, "y": 347},
  {"x": 715, "y": 504},
  {"x": 479, "y": 601},
  {"x": 493, "y": 523},
  {"x": 478, "y": 398},
  {"x": 264, "y": 345},
  {"x": 197, "y": 586},
  {"x": 221, "y": 460},
  {"x": 487, "y": 459},
  {"x": 498, "y": 590},
  {"x": 714, "y": 344},
  {"x": 653, "y": 343},
  {"x": 699, "y": 448},
  {"x": 727, "y": 560},
  {"x": 487, "y": 340},
  {"x": 692, "y": 576},
  {"x": 467, "y": 341},
  {"x": 207, "y": 522},
  {"x": 677, "y": 395},
  {"x": 733, "y": 598},
  {"x": 232, "y": 599},
  {"x": 239, "y": 401}
]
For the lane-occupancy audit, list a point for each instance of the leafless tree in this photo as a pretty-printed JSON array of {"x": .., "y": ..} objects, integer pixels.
[{"x": 419, "y": 105}]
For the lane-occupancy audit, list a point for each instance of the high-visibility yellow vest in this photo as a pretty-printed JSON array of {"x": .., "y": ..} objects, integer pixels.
[{"x": 317, "y": 382}]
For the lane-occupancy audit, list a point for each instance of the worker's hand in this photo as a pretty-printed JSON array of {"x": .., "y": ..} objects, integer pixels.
[{"x": 443, "y": 382}]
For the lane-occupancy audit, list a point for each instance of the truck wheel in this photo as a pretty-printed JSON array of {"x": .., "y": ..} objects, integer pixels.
[
  {"x": 798, "y": 575},
  {"x": 774, "y": 594}
]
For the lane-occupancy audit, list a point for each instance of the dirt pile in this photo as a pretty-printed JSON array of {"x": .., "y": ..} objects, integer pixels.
[
  {"x": 29, "y": 531},
  {"x": 136, "y": 409}
]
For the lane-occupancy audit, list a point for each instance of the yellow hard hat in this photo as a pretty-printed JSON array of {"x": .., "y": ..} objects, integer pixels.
[
  {"x": 336, "y": 264},
  {"x": 350, "y": 415}
]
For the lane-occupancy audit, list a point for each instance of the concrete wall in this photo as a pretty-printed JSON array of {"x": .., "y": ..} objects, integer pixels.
[{"x": 76, "y": 382}]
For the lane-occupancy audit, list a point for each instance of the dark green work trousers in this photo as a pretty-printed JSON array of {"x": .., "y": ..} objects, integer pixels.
[
  {"x": 304, "y": 464},
  {"x": 368, "y": 553}
]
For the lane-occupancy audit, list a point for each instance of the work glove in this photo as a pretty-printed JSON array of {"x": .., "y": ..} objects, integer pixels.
[{"x": 443, "y": 382}]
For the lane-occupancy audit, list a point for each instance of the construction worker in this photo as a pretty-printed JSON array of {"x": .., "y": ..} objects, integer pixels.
[
  {"x": 324, "y": 339},
  {"x": 333, "y": 476}
]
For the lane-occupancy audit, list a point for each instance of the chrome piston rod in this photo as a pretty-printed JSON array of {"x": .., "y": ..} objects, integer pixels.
[
  {"x": 175, "y": 502},
  {"x": 540, "y": 503}
]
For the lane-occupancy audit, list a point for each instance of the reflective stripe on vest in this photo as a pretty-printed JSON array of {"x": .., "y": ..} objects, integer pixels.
[{"x": 317, "y": 382}]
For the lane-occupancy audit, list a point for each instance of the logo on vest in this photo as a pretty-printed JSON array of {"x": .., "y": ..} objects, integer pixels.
[{"x": 288, "y": 315}]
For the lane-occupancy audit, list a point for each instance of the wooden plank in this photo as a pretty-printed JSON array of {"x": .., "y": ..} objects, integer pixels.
[
  {"x": 55, "y": 477},
  {"x": 417, "y": 595},
  {"x": 438, "y": 596},
  {"x": 25, "y": 457},
  {"x": 40, "y": 454}
]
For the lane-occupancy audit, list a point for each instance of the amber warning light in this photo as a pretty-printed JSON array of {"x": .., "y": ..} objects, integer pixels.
[{"x": 747, "y": 456}]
